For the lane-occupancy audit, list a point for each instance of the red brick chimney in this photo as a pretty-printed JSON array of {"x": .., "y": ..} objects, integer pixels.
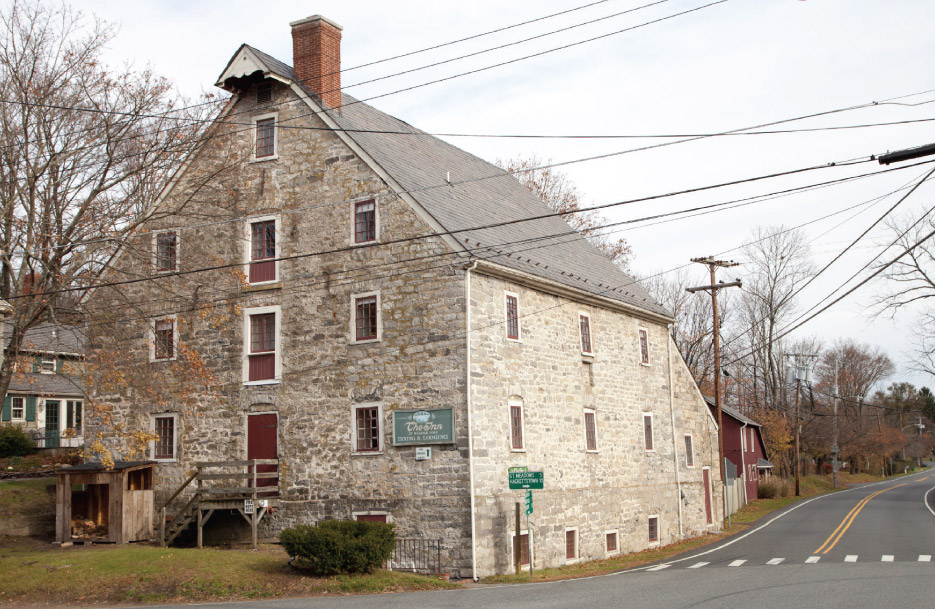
[{"x": 316, "y": 57}]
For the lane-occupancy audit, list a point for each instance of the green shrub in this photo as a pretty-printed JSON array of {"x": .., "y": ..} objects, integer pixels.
[
  {"x": 14, "y": 441},
  {"x": 332, "y": 547}
]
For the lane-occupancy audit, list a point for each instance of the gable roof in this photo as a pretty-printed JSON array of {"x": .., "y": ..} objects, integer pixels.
[
  {"x": 732, "y": 413},
  {"x": 479, "y": 194},
  {"x": 51, "y": 338}
]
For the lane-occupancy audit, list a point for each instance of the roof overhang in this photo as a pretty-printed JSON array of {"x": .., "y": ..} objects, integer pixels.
[{"x": 244, "y": 64}]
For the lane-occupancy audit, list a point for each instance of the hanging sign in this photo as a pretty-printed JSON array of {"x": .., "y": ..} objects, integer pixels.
[{"x": 423, "y": 427}]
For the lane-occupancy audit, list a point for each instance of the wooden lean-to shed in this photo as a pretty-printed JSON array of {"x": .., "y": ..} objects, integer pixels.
[{"x": 101, "y": 505}]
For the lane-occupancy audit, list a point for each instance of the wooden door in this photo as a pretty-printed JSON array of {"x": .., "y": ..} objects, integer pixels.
[
  {"x": 706, "y": 480},
  {"x": 263, "y": 443}
]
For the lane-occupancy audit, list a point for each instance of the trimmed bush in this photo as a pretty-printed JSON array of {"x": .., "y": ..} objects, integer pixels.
[
  {"x": 333, "y": 547},
  {"x": 14, "y": 441},
  {"x": 768, "y": 489}
]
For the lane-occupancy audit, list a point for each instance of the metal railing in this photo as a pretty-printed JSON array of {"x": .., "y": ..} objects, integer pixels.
[{"x": 418, "y": 556}]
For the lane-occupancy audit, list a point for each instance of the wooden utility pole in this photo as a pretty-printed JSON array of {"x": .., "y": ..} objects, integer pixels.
[
  {"x": 713, "y": 264},
  {"x": 802, "y": 372},
  {"x": 834, "y": 424}
]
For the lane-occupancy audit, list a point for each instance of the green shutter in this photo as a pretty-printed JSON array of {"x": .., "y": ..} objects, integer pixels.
[
  {"x": 30, "y": 409},
  {"x": 37, "y": 364},
  {"x": 7, "y": 408},
  {"x": 58, "y": 365}
]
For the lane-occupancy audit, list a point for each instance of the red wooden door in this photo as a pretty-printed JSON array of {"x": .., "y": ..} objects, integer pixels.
[
  {"x": 262, "y": 443},
  {"x": 706, "y": 480}
]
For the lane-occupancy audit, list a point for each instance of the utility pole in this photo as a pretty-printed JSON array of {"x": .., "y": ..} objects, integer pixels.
[
  {"x": 713, "y": 264},
  {"x": 802, "y": 371},
  {"x": 834, "y": 425}
]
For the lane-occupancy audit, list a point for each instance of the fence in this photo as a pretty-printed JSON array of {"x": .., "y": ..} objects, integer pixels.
[{"x": 418, "y": 556}]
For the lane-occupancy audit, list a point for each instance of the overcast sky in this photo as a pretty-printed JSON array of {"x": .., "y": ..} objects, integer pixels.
[{"x": 735, "y": 64}]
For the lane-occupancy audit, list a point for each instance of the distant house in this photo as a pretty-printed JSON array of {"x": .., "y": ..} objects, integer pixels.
[
  {"x": 744, "y": 448},
  {"x": 46, "y": 396}
]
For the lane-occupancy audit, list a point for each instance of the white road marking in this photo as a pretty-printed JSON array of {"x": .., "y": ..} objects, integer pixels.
[
  {"x": 658, "y": 567},
  {"x": 925, "y": 558},
  {"x": 775, "y": 561},
  {"x": 736, "y": 563},
  {"x": 812, "y": 559},
  {"x": 850, "y": 558},
  {"x": 925, "y": 499},
  {"x": 886, "y": 558},
  {"x": 701, "y": 564}
]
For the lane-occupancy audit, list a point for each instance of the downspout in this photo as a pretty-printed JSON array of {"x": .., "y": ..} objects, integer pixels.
[
  {"x": 743, "y": 463},
  {"x": 675, "y": 452},
  {"x": 467, "y": 322}
]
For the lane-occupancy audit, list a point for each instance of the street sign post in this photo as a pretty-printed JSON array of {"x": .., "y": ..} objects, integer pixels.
[
  {"x": 528, "y": 502},
  {"x": 526, "y": 480}
]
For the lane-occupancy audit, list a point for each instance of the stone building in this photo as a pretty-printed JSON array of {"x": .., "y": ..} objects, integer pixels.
[{"x": 400, "y": 323}]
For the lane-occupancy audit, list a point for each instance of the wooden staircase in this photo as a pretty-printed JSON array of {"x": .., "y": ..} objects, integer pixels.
[{"x": 250, "y": 499}]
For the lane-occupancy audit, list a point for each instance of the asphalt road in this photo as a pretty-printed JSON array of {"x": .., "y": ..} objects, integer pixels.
[{"x": 865, "y": 547}]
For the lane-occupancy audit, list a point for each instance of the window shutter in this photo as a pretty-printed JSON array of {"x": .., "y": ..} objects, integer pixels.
[
  {"x": 37, "y": 364},
  {"x": 58, "y": 365},
  {"x": 30, "y": 409},
  {"x": 7, "y": 409}
]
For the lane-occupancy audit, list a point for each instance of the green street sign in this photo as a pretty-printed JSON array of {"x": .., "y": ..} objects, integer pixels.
[
  {"x": 525, "y": 480},
  {"x": 528, "y": 502}
]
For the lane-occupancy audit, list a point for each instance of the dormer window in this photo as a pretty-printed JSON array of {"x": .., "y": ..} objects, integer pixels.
[{"x": 47, "y": 366}]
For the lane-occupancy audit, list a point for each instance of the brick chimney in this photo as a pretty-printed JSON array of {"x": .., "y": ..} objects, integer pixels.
[{"x": 316, "y": 57}]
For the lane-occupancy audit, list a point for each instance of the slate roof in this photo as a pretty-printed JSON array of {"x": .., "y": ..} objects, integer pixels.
[
  {"x": 481, "y": 194},
  {"x": 118, "y": 465},
  {"x": 54, "y": 338},
  {"x": 731, "y": 412},
  {"x": 46, "y": 384}
]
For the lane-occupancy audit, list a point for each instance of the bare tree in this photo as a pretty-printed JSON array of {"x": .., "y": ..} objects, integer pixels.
[
  {"x": 83, "y": 152},
  {"x": 560, "y": 194}
]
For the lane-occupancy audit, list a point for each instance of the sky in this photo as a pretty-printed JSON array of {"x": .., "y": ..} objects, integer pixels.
[{"x": 655, "y": 68}]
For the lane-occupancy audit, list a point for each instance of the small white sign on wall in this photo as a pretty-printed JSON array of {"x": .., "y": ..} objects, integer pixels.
[
  {"x": 248, "y": 507},
  {"x": 423, "y": 453}
]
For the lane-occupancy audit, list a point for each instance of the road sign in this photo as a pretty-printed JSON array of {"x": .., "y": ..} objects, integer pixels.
[
  {"x": 526, "y": 480},
  {"x": 528, "y": 502}
]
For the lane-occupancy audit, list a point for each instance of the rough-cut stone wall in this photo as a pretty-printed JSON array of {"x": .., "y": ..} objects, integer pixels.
[
  {"x": 616, "y": 488},
  {"x": 419, "y": 363}
]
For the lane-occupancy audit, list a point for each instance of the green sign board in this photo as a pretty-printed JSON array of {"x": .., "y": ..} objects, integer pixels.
[
  {"x": 526, "y": 480},
  {"x": 423, "y": 427}
]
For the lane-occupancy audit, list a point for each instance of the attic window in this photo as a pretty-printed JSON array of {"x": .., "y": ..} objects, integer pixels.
[{"x": 264, "y": 93}]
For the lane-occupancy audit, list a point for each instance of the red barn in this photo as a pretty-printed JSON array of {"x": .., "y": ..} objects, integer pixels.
[{"x": 744, "y": 447}]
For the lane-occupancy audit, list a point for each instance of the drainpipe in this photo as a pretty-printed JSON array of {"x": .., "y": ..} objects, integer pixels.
[
  {"x": 743, "y": 464},
  {"x": 675, "y": 437},
  {"x": 467, "y": 322}
]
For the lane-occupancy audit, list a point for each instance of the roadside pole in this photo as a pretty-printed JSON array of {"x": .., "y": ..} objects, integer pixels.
[{"x": 517, "y": 552}]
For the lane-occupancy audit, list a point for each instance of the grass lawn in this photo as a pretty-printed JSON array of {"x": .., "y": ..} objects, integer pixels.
[{"x": 26, "y": 494}]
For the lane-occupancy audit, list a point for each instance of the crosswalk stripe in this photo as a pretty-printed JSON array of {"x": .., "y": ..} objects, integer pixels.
[
  {"x": 812, "y": 559},
  {"x": 925, "y": 558},
  {"x": 775, "y": 561},
  {"x": 886, "y": 558},
  {"x": 698, "y": 566},
  {"x": 659, "y": 567},
  {"x": 736, "y": 563},
  {"x": 850, "y": 558}
]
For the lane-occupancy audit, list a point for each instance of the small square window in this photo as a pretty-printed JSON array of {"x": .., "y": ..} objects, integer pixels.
[
  {"x": 516, "y": 427},
  {"x": 367, "y": 429},
  {"x": 164, "y": 447},
  {"x": 644, "y": 346},
  {"x": 689, "y": 452},
  {"x": 584, "y": 325},
  {"x": 166, "y": 251},
  {"x": 610, "y": 542},
  {"x": 571, "y": 544},
  {"x": 653, "y": 529},
  {"x": 365, "y": 222},
  {"x": 648, "y": 431},
  {"x": 590, "y": 429},
  {"x": 512, "y": 316},
  {"x": 266, "y": 137},
  {"x": 17, "y": 408},
  {"x": 48, "y": 366}
]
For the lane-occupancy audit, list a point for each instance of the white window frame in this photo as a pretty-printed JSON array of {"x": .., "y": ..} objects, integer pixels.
[
  {"x": 689, "y": 464},
  {"x": 373, "y": 512},
  {"x": 640, "y": 331},
  {"x": 522, "y": 423},
  {"x": 597, "y": 445},
  {"x": 156, "y": 235},
  {"x": 577, "y": 557},
  {"x": 751, "y": 447},
  {"x": 513, "y": 550},
  {"x": 590, "y": 333},
  {"x": 175, "y": 433},
  {"x": 79, "y": 432},
  {"x": 175, "y": 338},
  {"x": 43, "y": 361},
  {"x": 506, "y": 322},
  {"x": 658, "y": 530},
  {"x": 13, "y": 417},
  {"x": 652, "y": 426},
  {"x": 381, "y": 438},
  {"x": 743, "y": 440},
  {"x": 616, "y": 534},
  {"x": 248, "y": 247},
  {"x": 376, "y": 222},
  {"x": 256, "y": 119},
  {"x": 352, "y": 339},
  {"x": 247, "y": 313}
]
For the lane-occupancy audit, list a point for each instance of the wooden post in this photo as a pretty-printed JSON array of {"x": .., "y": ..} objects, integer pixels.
[
  {"x": 200, "y": 524},
  {"x": 162, "y": 526},
  {"x": 517, "y": 552}
]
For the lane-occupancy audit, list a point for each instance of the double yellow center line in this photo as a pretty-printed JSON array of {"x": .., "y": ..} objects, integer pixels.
[{"x": 831, "y": 541}]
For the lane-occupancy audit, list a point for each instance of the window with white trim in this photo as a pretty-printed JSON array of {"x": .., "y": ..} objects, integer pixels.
[
  {"x": 648, "y": 432},
  {"x": 689, "y": 451},
  {"x": 653, "y": 529},
  {"x": 47, "y": 365},
  {"x": 364, "y": 221},
  {"x": 262, "y": 355},
  {"x": 262, "y": 236},
  {"x": 571, "y": 544},
  {"x": 165, "y": 251},
  {"x": 584, "y": 332},
  {"x": 751, "y": 446},
  {"x": 366, "y": 319},
  {"x": 644, "y": 346},
  {"x": 512, "y": 316},
  {"x": 163, "y": 339},
  {"x": 743, "y": 441},
  {"x": 590, "y": 430},
  {"x": 17, "y": 408},
  {"x": 74, "y": 417},
  {"x": 367, "y": 428},
  {"x": 165, "y": 447},
  {"x": 611, "y": 544},
  {"x": 264, "y": 132},
  {"x": 517, "y": 432}
]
